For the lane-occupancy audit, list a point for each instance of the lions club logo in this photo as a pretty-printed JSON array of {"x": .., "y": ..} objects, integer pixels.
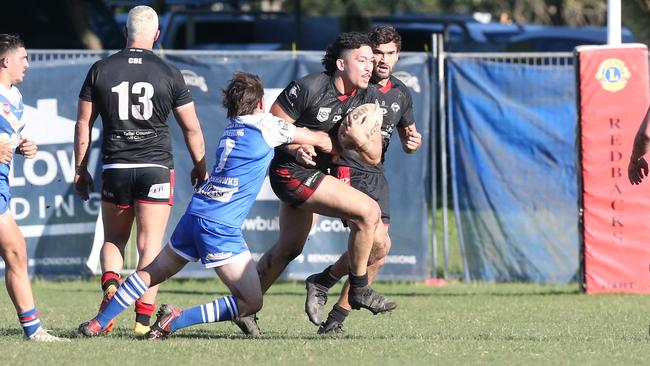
[{"x": 613, "y": 74}]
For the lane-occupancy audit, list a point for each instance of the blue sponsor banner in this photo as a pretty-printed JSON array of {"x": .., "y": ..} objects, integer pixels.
[{"x": 60, "y": 228}]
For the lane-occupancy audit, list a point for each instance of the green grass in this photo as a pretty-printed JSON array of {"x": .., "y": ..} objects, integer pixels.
[
  {"x": 477, "y": 324},
  {"x": 455, "y": 262}
]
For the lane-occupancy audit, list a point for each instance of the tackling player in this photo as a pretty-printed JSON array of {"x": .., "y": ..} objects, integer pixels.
[
  {"x": 298, "y": 175},
  {"x": 134, "y": 91},
  {"x": 210, "y": 229},
  {"x": 395, "y": 99},
  {"x": 13, "y": 249}
]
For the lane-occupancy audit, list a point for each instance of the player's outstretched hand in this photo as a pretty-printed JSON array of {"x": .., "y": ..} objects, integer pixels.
[
  {"x": 27, "y": 148},
  {"x": 305, "y": 155},
  {"x": 637, "y": 170},
  {"x": 6, "y": 153},
  {"x": 83, "y": 183}
]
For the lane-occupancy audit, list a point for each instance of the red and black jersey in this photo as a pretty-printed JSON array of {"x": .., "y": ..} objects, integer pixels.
[
  {"x": 314, "y": 102},
  {"x": 397, "y": 107},
  {"x": 134, "y": 90}
]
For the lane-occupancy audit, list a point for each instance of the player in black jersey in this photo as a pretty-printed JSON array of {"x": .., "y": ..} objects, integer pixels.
[
  {"x": 298, "y": 173},
  {"x": 133, "y": 91},
  {"x": 396, "y": 102}
]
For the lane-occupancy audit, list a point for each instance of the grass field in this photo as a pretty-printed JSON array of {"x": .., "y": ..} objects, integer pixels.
[{"x": 457, "y": 324}]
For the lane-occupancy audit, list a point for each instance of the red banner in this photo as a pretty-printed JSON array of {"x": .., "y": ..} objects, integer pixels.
[{"x": 613, "y": 98}]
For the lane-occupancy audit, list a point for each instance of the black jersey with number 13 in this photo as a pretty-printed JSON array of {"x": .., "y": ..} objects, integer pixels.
[{"x": 134, "y": 90}]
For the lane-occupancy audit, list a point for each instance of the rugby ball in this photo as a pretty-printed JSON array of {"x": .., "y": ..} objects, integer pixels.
[{"x": 368, "y": 117}]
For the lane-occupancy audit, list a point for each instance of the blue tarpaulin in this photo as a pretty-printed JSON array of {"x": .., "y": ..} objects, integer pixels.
[{"x": 512, "y": 131}]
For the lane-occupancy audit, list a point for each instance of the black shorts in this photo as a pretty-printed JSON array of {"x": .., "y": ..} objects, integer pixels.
[
  {"x": 374, "y": 185},
  {"x": 151, "y": 184},
  {"x": 294, "y": 183}
]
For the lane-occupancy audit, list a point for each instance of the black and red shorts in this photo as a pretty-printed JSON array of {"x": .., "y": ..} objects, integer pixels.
[
  {"x": 124, "y": 185},
  {"x": 294, "y": 183},
  {"x": 374, "y": 185}
]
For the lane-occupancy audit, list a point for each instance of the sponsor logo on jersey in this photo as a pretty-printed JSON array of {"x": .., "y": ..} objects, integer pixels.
[
  {"x": 6, "y": 108},
  {"x": 394, "y": 107},
  {"x": 383, "y": 108},
  {"x": 336, "y": 118},
  {"x": 159, "y": 191},
  {"x": 309, "y": 181},
  {"x": 293, "y": 92},
  {"x": 221, "y": 194},
  {"x": 613, "y": 74},
  {"x": 218, "y": 256},
  {"x": 323, "y": 114},
  {"x": 193, "y": 79},
  {"x": 409, "y": 80},
  {"x": 135, "y": 60}
]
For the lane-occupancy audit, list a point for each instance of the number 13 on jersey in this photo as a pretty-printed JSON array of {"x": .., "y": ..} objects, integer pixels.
[{"x": 144, "y": 92}]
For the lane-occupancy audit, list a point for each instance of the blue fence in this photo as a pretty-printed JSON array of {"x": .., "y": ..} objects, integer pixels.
[
  {"x": 511, "y": 137},
  {"x": 60, "y": 228}
]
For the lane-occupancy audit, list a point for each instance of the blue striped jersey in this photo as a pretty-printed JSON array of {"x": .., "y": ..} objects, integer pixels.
[
  {"x": 243, "y": 156},
  {"x": 11, "y": 120}
]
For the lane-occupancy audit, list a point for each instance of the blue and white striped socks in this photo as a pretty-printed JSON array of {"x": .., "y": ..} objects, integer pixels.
[
  {"x": 131, "y": 290},
  {"x": 221, "y": 309},
  {"x": 30, "y": 321}
]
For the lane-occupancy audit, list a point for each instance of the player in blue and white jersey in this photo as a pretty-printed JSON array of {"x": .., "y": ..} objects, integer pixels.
[
  {"x": 13, "y": 249},
  {"x": 210, "y": 229}
]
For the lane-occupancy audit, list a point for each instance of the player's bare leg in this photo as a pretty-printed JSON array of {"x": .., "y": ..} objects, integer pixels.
[
  {"x": 151, "y": 221},
  {"x": 164, "y": 266},
  {"x": 337, "y": 199},
  {"x": 13, "y": 251},
  {"x": 242, "y": 279},
  {"x": 295, "y": 224},
  {"x": 331, "y": 198},
  {"x": 320, "y": 283},
  {"x": 336, "y": 317},
  {"x": 117, "y": 230}
]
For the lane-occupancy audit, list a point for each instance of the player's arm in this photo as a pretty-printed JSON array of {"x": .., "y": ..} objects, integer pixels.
[
  {"x": 637, "y": 169},
  {"x": 191, "y": 127},
  {"x": 368, "y": 148},
  {"x": 408, "y": 133},
  {"x": 86, "y": 116},
  {"x": 410, "y": 137},
  {"x": 319, "y": 139},
  {"x": 370, "y": 152},
  {"x": 6, "y": 153},
  {"x": 304, "y": 153}
]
